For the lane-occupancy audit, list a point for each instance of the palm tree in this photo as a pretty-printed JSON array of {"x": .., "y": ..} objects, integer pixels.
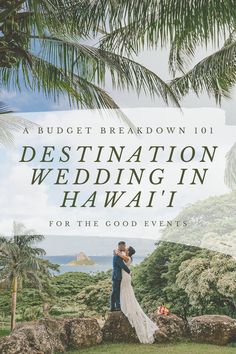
[
  {"x": 182, "y": 25},
  {"x": 21, "y": 260},
  {"x": 42, "y": 49}
]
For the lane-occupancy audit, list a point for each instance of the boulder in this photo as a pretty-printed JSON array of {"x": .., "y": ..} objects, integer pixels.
[
  {"x": 118, "y": 329},
  {"x": 83, "y": 333},
  {"x": 17, "y": 343},
  {"x": 55, "y": 329},
  {"x": 172, "y": 328},
  {"x": 52, "y": 335},
  {"x": 213, "y": 329}
]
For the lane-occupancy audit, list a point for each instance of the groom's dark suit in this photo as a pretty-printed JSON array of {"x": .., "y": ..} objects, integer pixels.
[{"x": 118, "y": 265}]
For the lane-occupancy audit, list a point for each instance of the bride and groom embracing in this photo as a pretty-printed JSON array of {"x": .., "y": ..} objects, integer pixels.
[{"x": 123, "y": 297}]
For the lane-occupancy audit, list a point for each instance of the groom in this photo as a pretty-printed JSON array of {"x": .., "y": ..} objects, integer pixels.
[{"x": 118, "y": 265}]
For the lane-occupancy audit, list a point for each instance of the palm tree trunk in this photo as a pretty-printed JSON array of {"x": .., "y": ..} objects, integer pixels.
[{"x": 13, "y": 303}]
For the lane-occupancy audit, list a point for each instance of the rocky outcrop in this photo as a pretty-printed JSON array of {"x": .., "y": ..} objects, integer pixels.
[
  {"x": 83, "y": 333},
  {"x": 118, "y": 329},
  {"x": 81, "y": 259},
  {"x": 213, "y": 329},
  {"x": 51, "y": 335},
  {"x": 57, "y": 335},
  {"x": 174, "y": 328}
]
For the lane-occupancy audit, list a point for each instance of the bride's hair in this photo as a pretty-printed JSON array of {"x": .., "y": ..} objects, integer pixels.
[{"x": 131, "y": 251}]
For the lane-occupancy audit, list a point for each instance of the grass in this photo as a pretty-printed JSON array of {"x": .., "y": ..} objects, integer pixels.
[
  {"x": 180, "y": 348},
  {"x": 4, "y": 332}
]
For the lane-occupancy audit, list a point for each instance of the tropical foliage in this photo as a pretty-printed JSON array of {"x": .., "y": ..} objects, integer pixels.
[
  {"x": 190, "y": 280},
  {"x": 21, "y": 261},
  {"x": 80, "y": 294},
  {"x": 44, "y": 49},
  {"x": 94, "y": 299},
  {"x": 209, "y": 282},
  {"x": 211, "y": 225},
  {"x": 9, "y": 124},
  {"x": 68, "y": 294},
  {"x": 155, "y": 279},
  {"x": 194, "y": 279},
  {"x": 180, "y": 25},
  {"x": 44, "y": 45}
]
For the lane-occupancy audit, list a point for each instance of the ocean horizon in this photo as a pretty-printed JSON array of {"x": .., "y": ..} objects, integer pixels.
[{"x": 102, "y": 263}]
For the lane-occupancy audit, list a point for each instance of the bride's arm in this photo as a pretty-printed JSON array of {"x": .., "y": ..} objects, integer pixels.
[{"x": 123, "y": 256}]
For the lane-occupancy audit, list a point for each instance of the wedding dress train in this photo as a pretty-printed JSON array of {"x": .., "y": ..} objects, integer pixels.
[{"x": 144, "y": 327}]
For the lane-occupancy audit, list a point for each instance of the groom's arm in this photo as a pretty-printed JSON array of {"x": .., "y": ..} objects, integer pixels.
[
  {"x": 122, "y": 256},
  {"x": 123, "y": 265}
]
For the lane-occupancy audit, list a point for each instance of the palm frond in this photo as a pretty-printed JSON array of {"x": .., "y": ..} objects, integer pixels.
[
  {"x": 73, "y": 70},
  {"x": 37, "y": 16},
  {"x": 53, "y": 81},
  {"x": 92, "y": 62},
  {"x": 147, "y": 22},
  {"x": 135, "y": 25},
  {"x": 216, "y": 74},
  {"x": 10, "y": 124},
  {"x": 4, "y": 109},
  {"x": 66, "y": 67},
  {"x": 42, "y": 76},
  {"x": 182, "y": 51},
  {"x": 9, "y": 10},
  {"x": 183, "y": 48}
]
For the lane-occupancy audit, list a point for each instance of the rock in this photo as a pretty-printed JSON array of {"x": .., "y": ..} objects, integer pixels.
[
  {"x": 52, "y": 335},
  {"x": 83, "y": 333},
  {"x": 16, "y": 344},
  {"x": 118, "y": 329},
  {"x": 172, "y": 328},
  {"x": 213, "y": 329},
  {"x": 161, "y": 337},
  {"x": 56, "y": 331},
  {"x": 81, "y": 259}
]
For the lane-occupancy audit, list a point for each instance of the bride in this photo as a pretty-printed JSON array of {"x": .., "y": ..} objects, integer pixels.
[{"x": 144, "y": 327}]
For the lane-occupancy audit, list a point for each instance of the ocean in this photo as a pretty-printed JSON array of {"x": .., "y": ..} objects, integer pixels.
[{"x": 103, "y": 263}]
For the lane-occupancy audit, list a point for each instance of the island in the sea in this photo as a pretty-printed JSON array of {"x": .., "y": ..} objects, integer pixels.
[{"x": 81, "y": 259}]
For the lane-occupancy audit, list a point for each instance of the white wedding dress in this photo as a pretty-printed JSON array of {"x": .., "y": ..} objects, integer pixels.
[{"x": 144, "y": 327}]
